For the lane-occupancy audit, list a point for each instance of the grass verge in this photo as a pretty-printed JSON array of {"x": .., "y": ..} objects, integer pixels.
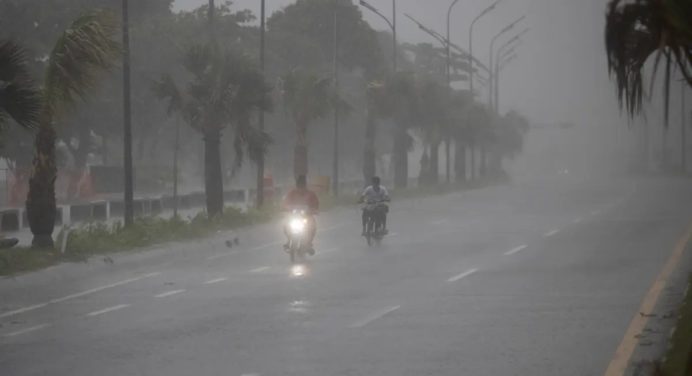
[
  {"x": 100, "y": 238},
  {"x": 678, "y": 360}
]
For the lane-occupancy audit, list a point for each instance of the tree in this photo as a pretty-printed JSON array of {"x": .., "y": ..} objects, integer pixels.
[
  {"x": 639, "y": 29},
  {"x": 82, "y": 51},
  {"x": 307, "y": 98},
  {"x": 301, "y": 35},
  {"x": 433, "y": 125},
  {"x": 400, "y": 103},
  {"x": 224, "y": 90},
  {"x": 19, "y": 98}
]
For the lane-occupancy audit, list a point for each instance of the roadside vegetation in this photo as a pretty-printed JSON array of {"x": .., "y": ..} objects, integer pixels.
[
  {"x": 678, "y": 361},
  {"x": 96, "y": 239}
]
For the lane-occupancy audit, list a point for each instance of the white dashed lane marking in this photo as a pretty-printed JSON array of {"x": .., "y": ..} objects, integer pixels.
[
  {"x": 213, "y": 281},
  {"x": 375, "y": 316},
  {"x": 515, "y": 250},
  {"x": 107, "y": 310},
  {"x": 462, "y": 275},
  {"x": 169, "y": 293},
  {"x": 27, "y": 330},
  {"x": 260, "y": 269},
  {"x": 550, "y": 233},
  {"x": 77, "y": 295}
]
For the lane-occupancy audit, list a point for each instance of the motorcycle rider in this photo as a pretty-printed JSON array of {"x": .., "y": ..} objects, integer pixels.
[
  {"x": 378, "y": 194},
  {"x": 301, "y": 196}
]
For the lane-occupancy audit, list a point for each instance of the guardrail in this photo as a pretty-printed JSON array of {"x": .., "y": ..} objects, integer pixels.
[{"x": 15, "y": 219}]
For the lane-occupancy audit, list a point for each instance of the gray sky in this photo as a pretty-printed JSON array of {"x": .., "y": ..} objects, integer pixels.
[{"x": 561, "y": 70}]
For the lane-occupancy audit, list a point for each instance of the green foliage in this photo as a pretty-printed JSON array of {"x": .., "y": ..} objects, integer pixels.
[
  {"x": 19, "y": 98},
  {"x": 84, "y": 50},
  {"x": 225, "y": 89},
  {"x": 98, "y": 238},
  {"x": 678, "y": 360},
  {"x": 639, "y": 29},
  {"x": 302, "y": 35}
]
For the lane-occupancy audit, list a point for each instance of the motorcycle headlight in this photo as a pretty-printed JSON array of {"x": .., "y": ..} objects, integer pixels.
[{"x": 297, "y": 225}]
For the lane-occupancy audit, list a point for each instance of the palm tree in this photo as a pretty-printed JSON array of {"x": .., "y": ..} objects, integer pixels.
[
  {"x": 402, "y": 105},
  {"x": 307, "y": 98},
  {"x": 224, "y": 90},
  {"x": 637, "y": 30},
  {"x": 19, "y": 98},
  {"x": 82, "y": 51},
  {"x": 434, "y": 108}
]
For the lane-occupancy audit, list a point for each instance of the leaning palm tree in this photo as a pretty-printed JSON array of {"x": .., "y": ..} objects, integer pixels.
[
  {"x": 20, "y": 100},
  {"x": 224, "y": 90},
  {"x": 85, "y": 49},
  {"x": 307, "y": 98},
  {"x": 635, "y": 31}
]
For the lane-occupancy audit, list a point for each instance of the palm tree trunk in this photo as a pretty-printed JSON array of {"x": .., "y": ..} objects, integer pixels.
[
  {"x": 484, "y": 160},
  {"x": 434, "y": 172},
  {"x": 460, "y": 161},
  {"x": 40, "y": 202},
  {"x": 400, "y": 155},
  {"x": 300, "y": 161},
  {"x": 213, "y": 181},
  {"x": 369, "y": 148}
]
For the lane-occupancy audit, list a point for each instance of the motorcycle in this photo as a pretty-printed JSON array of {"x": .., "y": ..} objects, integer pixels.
[
  {"x": 374, "y": 225},
  {"x": 297, "y": 228}
]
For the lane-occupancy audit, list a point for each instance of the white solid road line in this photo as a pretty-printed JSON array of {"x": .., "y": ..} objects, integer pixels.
[
  {"x": 77, "y": 295},
  {"x": 375, "y": 316},
  {"x": 551, "y": 233},
  {"x": 27, "y": 330},
  {"x": 462, "y": 275},
  {"x": 577, "y": 220},
  {"x": 260, "y": 269},
  {"x": 213, "y": 281},
  {"x": 169, "y": 293},
  {"x": 515, "y": 250},
  {"x": 106, "y": 310}
]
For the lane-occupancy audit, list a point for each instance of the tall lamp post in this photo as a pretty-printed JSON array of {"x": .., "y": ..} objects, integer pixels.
[
  {"x": 478, "y": 17},
  {"x": 335, "y": 167},
  {"x": 391, "y": 23},
  {"x": 449, "y": 86},
  {"x": 128, "y": 214},
  {"x": 500, "y": 55},
  {"x": 261, "y": 160},
  {"x": 492, "y": 49}
]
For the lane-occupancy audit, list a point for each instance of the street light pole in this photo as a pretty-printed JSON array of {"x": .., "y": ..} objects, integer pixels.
[
  {"x": 392, "y": 25},
  {"x": 335, "y": 167},
  {"x": 683, "y": 138},
  {"x": 516, "y": 38},
  {"x": 492, "y": 48},
  {"x": 449, "y": 89},
  {"x": 128, "y": 214},
  {"x": 483, "y": 13},
  {"x": 261, "y": 160},
  {"x": 394, "y": 47}
]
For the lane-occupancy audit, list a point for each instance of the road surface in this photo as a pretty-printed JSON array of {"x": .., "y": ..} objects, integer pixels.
[{"x": 534, "y": 278}]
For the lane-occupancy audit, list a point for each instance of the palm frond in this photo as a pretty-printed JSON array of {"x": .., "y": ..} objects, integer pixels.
[
  {"x": 85, "y": 49},
  {"x": 165, "y": 88},
  {"x": 19, "y": 98}
]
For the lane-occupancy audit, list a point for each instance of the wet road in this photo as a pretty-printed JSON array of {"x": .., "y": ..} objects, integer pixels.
[{"x": 536, "y": 278}]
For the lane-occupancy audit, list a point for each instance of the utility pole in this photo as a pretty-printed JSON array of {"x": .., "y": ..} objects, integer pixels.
[
  {"x": 449, "y": 91},
  {"x": 335, "y": 167},
  {"x": 261, "y": 160},
  {"x": 128, "y": 213},
  {"x": 683, "y": 125},
  {"x": 394, "y": 35}
]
